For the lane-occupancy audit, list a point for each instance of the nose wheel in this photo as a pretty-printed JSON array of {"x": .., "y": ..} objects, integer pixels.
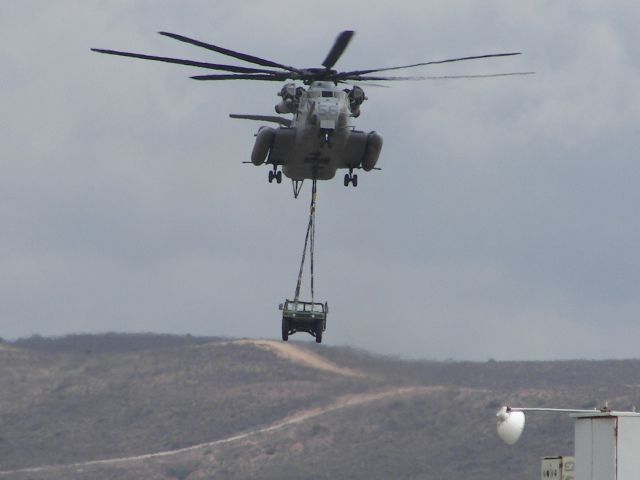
[
  {"x": 275, "y": 175},
  {"x": 350, "y": 178}
]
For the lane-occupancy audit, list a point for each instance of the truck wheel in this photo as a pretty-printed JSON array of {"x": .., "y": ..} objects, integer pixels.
[
  {"x": 319, "y": 333},
  {"x": 285, "y": 330}
]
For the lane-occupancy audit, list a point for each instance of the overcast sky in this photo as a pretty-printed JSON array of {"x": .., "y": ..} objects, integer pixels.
[{"x": 504, "y": 223}]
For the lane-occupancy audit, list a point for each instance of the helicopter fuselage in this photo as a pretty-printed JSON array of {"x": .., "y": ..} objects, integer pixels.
[
  {"x": 320, "y": 139},
  {"x": 322, "y": 125}
]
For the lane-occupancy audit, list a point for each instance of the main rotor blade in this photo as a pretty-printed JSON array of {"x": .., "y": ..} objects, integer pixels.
[
  {"x": 230, "y": 53},
  {"x": 268, "y": 78},
  {"x": 191, "y": 63},
  {"x": 439, "y": 77},
  {"x": 449, "y": 60},
  {"x": 338, "y": 48},
  {"x": 376, "y": 85}
]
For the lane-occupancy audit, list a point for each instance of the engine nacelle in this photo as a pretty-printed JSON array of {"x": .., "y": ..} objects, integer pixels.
[
  {"x": 285, "y": 107},
  {"x": 290, "y": 94},
  {"x": 356, "y": 98},
  {"x": 264, "y": 140},
  {"x": 372, "y": 151}
]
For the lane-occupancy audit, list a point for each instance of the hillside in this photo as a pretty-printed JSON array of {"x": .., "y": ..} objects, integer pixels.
[{"x": 167, "y": 407}]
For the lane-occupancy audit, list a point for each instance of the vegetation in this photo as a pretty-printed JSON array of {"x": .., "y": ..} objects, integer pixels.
[{"x": 84, "y": 397}]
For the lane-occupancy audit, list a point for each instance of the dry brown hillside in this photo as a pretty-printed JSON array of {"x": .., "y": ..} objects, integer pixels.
[{"x": 164, "y": 407}]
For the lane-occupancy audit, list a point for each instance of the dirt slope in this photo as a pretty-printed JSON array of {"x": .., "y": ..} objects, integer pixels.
[
  {"x": 298, "y": 417},
  {"x": 297, "y": 354}
]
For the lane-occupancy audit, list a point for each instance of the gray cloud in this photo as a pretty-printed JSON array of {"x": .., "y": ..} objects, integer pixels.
[{"x": 503, "y": 223}]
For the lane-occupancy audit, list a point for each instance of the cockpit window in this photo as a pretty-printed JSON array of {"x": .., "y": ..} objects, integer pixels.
[{"x": 327, "y": 93}]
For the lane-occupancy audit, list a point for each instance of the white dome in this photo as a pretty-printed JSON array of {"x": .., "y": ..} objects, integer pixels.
[{"x": 510, "y": 425}]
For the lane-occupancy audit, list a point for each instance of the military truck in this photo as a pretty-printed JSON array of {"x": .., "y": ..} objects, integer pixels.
[{"x": 299, "y": 316}]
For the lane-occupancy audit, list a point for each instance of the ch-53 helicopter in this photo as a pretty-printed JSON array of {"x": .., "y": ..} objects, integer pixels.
[{"x": 320, "y": 139}]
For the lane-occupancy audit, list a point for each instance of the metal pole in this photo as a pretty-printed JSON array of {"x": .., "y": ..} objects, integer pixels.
[{"x": 313, "y": 233}]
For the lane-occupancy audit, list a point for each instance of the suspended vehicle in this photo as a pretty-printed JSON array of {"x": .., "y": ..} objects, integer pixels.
[
  {"x": 299, "y": 316},
  {"x": 320, "y": 138}
]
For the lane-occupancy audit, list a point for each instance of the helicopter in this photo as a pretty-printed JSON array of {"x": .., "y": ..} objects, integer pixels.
[{"x": 321, "y": 137}]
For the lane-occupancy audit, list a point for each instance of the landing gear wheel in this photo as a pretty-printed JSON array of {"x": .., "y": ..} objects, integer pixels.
[
  {"x": 350, "y": 178},
  {"x": 285, "y": 330},
  {"x": 271, "y": 176},
  {"x": 278, "y": 177},
  {"x": 319, "y": 332}
]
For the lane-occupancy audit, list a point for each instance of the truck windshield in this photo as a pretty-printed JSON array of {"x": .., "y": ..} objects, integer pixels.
[{"x": 304, "y": 307}]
